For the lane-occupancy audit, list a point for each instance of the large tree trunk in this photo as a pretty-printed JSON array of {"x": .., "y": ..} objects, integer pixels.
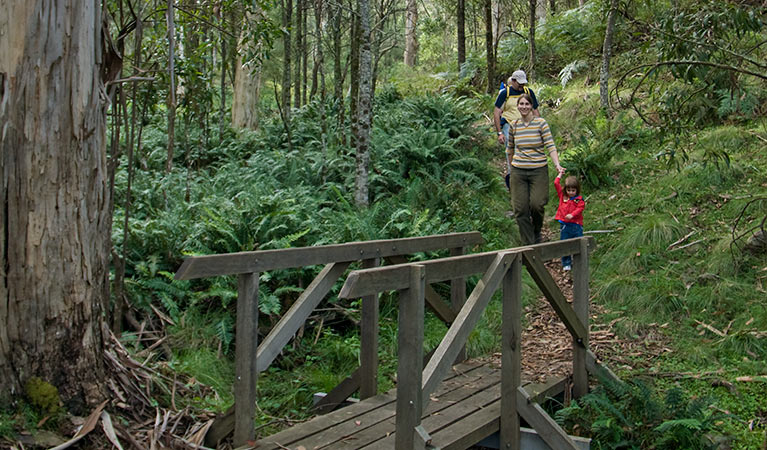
[
  {"x": 604, "y": 73},
  {"x": 247, "y": 85},
  {"x": 54, "y": 198},
  {"x": 461, "y": 25},
  {"x": 365, "y": 113},
  {"x": 287, "y": 21},
  {"x": 170, "y": 18},
  {"x": 531, "y": 40},
  {"x": 488, "y": 6},
  {"x": 300, "y": 11},
  {"x": 411, "y": 39}
]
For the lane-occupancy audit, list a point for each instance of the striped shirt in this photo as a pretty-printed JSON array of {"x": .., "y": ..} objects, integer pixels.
[{"x": 531, "y": 143}]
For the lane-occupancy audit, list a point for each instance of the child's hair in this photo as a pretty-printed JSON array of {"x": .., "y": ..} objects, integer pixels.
[{"x": 572, "y": 182}]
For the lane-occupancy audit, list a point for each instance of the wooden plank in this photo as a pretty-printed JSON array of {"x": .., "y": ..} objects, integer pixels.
[
  {"x": 433, "y": 300},
  {"x": 455, "y": 413},
  {"x": 369, "y": 341},
  {"x": 511, "y": 351},
  {"x": 390, "y": 278},
  {"x": 319, "y": 424},
  {"x": 555, "y": 297},
  {"x": 246, "y": 342},
  {"x": 339, "y": 394},
  {"x": 543, "y": 424},
  {"x": 265, "y": 260},
  {"x": 539, "y": 392},
  {"x": 594, "y": 367},
  {"x": 438, "y": 413},
  {"x": 409, "y": 355},
  {"x": 581, "y": 308},
  {"x": 292, "y": 320},
  {"x": 467, "y": 318},
  {"x": 470, "y": 430},
  {"x": 458, "y": 297},
  {"x": 464, "y": 380}
]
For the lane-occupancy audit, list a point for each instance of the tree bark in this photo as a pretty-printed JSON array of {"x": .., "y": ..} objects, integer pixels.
[
  {"x": 55, "y": 224},
  {"x": 365, "y": 114},
  {"x": 411, "y": 39},
  {"x": 489, "y": 46},
  {"x": 300, "y": 11},
  {"x": 604, "y": 73},
  {"x": 170, "y": 19},
  {"x": 531, "y": 40},
  {"x": 287, "y": 21},
  {"x": 247, "y": 85},
  {"x": 461, "y": 25},
  {"x": 354, "y": 74}
]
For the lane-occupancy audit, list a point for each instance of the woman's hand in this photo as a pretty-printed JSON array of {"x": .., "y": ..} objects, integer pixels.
[
  {"x": 569, "y": 217},
  {"x": 501, "y": 138}
]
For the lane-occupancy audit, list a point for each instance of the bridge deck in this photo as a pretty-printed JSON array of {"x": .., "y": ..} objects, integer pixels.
[{"x": 463, "y": 410}]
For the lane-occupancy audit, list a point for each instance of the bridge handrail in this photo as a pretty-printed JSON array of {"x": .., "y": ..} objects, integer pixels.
[
  {"x": 264, "y": 260},
  {"x": 251, "y": 358},
  {"x": 501, "y": 268}
]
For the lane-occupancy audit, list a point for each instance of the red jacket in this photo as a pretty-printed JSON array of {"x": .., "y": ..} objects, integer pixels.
[{"x": 574, "y": 206}]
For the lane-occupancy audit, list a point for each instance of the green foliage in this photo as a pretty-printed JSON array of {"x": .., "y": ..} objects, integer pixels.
[{"x": 633, "y": 415}]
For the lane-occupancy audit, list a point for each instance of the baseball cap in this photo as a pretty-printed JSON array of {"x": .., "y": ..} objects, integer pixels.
[{"x": 520, "y": 76}]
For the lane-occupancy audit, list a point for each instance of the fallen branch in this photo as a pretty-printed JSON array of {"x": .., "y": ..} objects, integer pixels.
[
  {"x": 681, "y": 240},
  {"x": 689, "y": 245},
  {"x": 711, "y": 329}
]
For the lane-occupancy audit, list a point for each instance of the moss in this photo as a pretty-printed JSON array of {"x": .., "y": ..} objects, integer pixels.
[{"x": 42, "y": 395}]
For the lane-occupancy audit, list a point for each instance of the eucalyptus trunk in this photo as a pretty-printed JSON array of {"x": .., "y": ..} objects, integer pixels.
[
  {"x": 489, "y": 47},
  {"x": 531, "y": 41},
  {"x": 287, "y": 20},
  {"x": 365, "y": 113},
  {"x": 55, "y": 224},
  {"x": 247, "y": 85},
  {"x": 171, "y": 23},
  {"x": 461, "y": 25},
  {"x": 604, "y": 73},
  {"x": 411, "y": 39}
]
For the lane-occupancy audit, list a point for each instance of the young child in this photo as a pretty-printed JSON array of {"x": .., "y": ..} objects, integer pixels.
[{"x": 569, "y": 212}]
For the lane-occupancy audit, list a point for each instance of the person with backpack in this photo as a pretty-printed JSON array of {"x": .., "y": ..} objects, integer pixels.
[{"x": 505, "y": 110}]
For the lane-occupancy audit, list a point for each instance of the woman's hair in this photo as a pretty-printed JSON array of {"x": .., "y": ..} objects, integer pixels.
[
  {"x": 572, "y": 182},
  {"x": 526, "y": 96}
]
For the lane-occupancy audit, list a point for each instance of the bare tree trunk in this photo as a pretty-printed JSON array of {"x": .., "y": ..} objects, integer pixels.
[
  {"x": 489, "y": 46},
  {"x": 170, "y": 18},
  {"x": 300, "y": 11},
  {"x": 604, "y": 73},
  {"x": 552, "y": 7},
  {"x": 531, "y": 39},
  {"x": 411, "y": 38},
  {"x": 287, "y": 21},
  {"x": 55, "y": 223},
  {"x": 247, "y": 85},
  {"x": 338, "y": 78},
  {"x": 365, "y": 116},
  {"x": 304, "y": 80},
  {"x": 461, "y": 25},
  {"x": 354, "y": 75}
]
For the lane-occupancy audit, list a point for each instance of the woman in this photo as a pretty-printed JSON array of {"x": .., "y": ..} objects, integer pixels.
[{"x": 531, "y": 141}]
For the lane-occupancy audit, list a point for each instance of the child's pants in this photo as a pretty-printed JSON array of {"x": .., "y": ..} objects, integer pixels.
[{"x": 569, "y": 230}]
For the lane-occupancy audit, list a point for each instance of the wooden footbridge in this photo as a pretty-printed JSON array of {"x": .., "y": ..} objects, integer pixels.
[{"x": 441, "y": 401}]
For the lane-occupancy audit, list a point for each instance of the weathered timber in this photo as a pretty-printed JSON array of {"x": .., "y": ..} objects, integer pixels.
[
  {"x": 433, "y": 300},
  {"x": 551, "y": 291},
  {"x": 292, "y": 320},
  {"x": 330, "y": 428},
  {"x": 390, "y": 278},
  {"x": 542, "y": 423},
  {"x": 467, "y": 318},
  {"x": 409, "y": 355},
  {"x": 246, "y": 375},
  {"x": 265, "y": 260},
  {"x": 511, "y": 355},
  {"x": 369, "y": 340},
  {"x": 595, "y": 367},
  {"x": 458, "y": 297},
  {"x": 581, "y": 308}
]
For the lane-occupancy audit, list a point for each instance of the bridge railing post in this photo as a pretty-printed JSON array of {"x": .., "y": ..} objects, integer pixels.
[
  {"x": 246, "y": 375},
  {"x": 581, "y": 308},
  {"x": 458, "y": 296},
  {"x": 511, "y": 355},
  {"x": 410, "y": 361},
  {"x": 369, "y": 340}
]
